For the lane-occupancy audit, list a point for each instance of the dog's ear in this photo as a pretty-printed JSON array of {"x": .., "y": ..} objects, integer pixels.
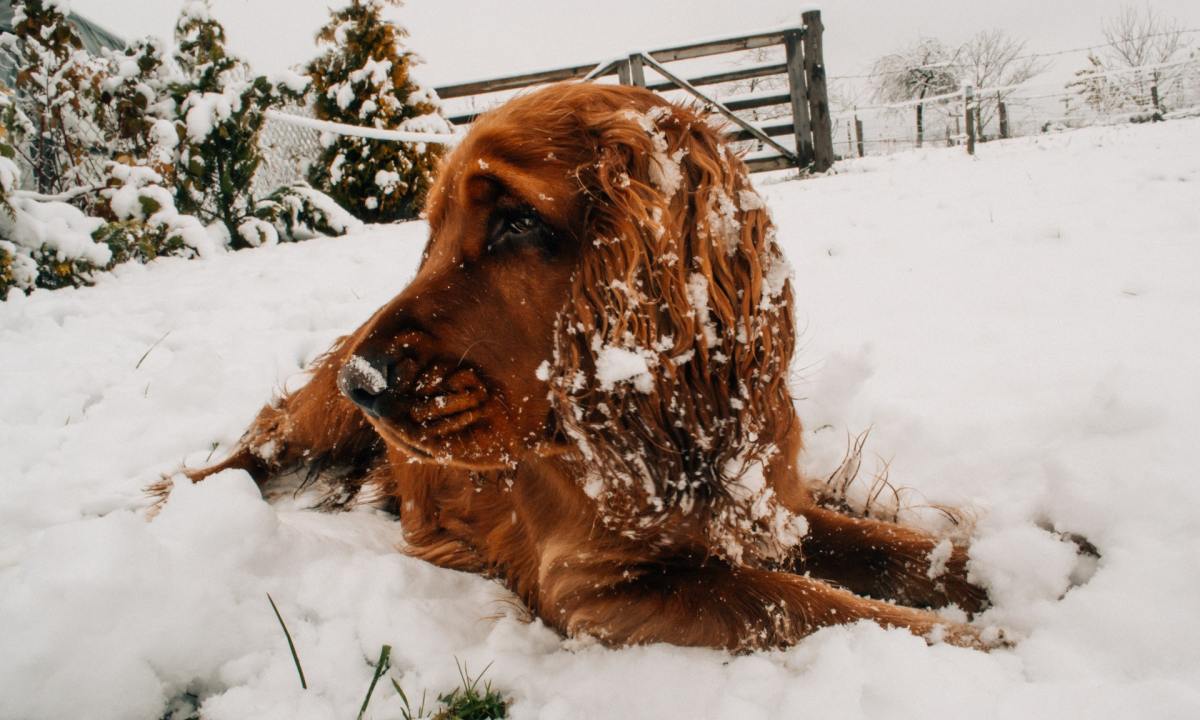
[{"x": 672, "y": 356}]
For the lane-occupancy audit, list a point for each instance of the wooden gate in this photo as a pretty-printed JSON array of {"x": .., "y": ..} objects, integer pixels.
[{"x": 804, "y": 97}]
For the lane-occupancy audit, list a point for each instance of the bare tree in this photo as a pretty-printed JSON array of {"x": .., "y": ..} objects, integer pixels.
[
  {"x": 1139, "y": 40},
  {"x": 925, "y": 69},
  {"x": 1140, "y": 36},
  {"x": 993, "y": 59}
]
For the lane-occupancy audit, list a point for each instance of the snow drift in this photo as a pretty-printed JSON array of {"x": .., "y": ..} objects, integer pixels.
[{"x": 1020, "y": 330}]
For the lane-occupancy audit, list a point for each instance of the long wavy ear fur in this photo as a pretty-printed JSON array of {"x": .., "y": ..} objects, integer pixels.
[{"x": 672, "y": 356}]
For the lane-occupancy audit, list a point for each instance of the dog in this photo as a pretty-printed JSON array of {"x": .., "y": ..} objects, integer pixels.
[{"x": 583, "y": 393}]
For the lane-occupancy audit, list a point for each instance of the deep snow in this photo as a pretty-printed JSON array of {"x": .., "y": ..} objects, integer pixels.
[{"x": 1021, "y": 331}]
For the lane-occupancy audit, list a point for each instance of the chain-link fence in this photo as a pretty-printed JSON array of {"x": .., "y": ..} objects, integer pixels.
[{"x": 287, "y": 150}]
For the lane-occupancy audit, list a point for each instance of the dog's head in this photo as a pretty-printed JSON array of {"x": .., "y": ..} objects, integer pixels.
[{"x": 600, "y": 283}]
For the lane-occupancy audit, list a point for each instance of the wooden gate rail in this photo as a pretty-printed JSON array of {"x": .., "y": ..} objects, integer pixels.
[
  {"x": 717, "y": 106},
  {"x": 806, "y": 96}
]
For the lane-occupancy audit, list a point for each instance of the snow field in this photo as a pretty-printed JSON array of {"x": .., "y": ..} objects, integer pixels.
[{"x": 1019, "y": 330}]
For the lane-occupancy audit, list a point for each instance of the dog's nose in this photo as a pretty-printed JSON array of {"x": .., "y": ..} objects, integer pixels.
[{"x": 363, "y": 380}]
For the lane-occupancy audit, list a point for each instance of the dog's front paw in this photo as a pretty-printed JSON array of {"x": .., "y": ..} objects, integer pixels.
[
  {"x": 952, "y": 584},
  {"x": 939, "y": 580},
  {"x": 970, "y": 636}
]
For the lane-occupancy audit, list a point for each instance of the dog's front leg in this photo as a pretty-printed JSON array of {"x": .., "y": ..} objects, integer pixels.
[{"x": 315, "y": 426}]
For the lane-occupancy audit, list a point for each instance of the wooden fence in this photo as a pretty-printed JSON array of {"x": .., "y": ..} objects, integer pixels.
[{"x": 805, "y": 96}]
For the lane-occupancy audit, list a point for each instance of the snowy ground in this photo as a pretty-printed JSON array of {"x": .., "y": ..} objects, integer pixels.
[{"x": 1021, "y": 330}]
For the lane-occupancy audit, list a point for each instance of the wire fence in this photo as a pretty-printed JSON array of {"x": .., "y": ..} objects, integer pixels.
[
  {"x": 1148, "y": 93},
  {"x": 292, "y": 138},
  {"x": 288, "y": 150}
]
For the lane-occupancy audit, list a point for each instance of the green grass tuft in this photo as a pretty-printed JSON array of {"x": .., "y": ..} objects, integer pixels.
[
  {"x": 291, "y": 645},
  {"x": 408, "y": 711},
  {"x": 470, "y": 702},
  {"x": 381, "y": 667},
  {"x": 467, "y": 702}
]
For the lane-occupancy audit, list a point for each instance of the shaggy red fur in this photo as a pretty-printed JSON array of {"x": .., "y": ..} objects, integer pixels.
[{"x": 583, "y": 393}]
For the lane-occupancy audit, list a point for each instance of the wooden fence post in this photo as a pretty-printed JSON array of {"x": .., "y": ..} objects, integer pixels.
[
  {"x": 818, "y": 92},
  {"x": 637, "y": 75},
  {"x": 920, "y": 123},
  {"x": 858, "y": 130},
  {"x": 1002, "y": 111},
  {"x": 798, "y": 90},
  {"x": 969, "y": 105}
]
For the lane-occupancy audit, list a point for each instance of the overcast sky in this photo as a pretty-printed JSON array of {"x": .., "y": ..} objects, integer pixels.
[{"x": 473, "y": 39}]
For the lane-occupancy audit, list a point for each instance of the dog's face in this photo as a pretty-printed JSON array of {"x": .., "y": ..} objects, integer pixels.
[
  {"x": 448, "y": 370},
  {"x": 600, "y": 276}
]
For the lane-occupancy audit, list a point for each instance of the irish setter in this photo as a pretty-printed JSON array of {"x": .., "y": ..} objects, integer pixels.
[{"x": 583, "y": 393}]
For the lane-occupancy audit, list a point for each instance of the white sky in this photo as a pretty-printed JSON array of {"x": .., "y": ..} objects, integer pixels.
[{"x": 473, "y": 39}]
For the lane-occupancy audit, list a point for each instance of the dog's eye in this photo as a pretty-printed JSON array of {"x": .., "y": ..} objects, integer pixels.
[
  {"x": 519, "y": 228},
  {"x": 522, "y": 224}
]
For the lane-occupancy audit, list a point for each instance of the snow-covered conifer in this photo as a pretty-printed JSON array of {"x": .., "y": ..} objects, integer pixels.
[
  {"x": 221, "y": 109},
  {"x": 364, "y": 78}
]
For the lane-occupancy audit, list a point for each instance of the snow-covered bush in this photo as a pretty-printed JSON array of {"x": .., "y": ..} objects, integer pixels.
[
  {"x": 45, "y": 244},
  {"x": 50, "y": 244},
  {"x": 16, "y": 270},
  {"x": 155, "y": 156},
  {"x": 222, "y": 109},
  {"x": 53, "y": 119},
  {"x": 298, "y": 212},
  {"x": 147, "y": 224},
  {"x": 364, "y": 78},
  {"x": 141, "y": 110}
]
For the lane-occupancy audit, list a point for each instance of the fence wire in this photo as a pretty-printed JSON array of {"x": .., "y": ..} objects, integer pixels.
[{"x": 1151, "y": 93}]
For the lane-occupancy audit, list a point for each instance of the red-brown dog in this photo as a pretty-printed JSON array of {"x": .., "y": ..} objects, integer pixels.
[{"x": 583, "y": 393}]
